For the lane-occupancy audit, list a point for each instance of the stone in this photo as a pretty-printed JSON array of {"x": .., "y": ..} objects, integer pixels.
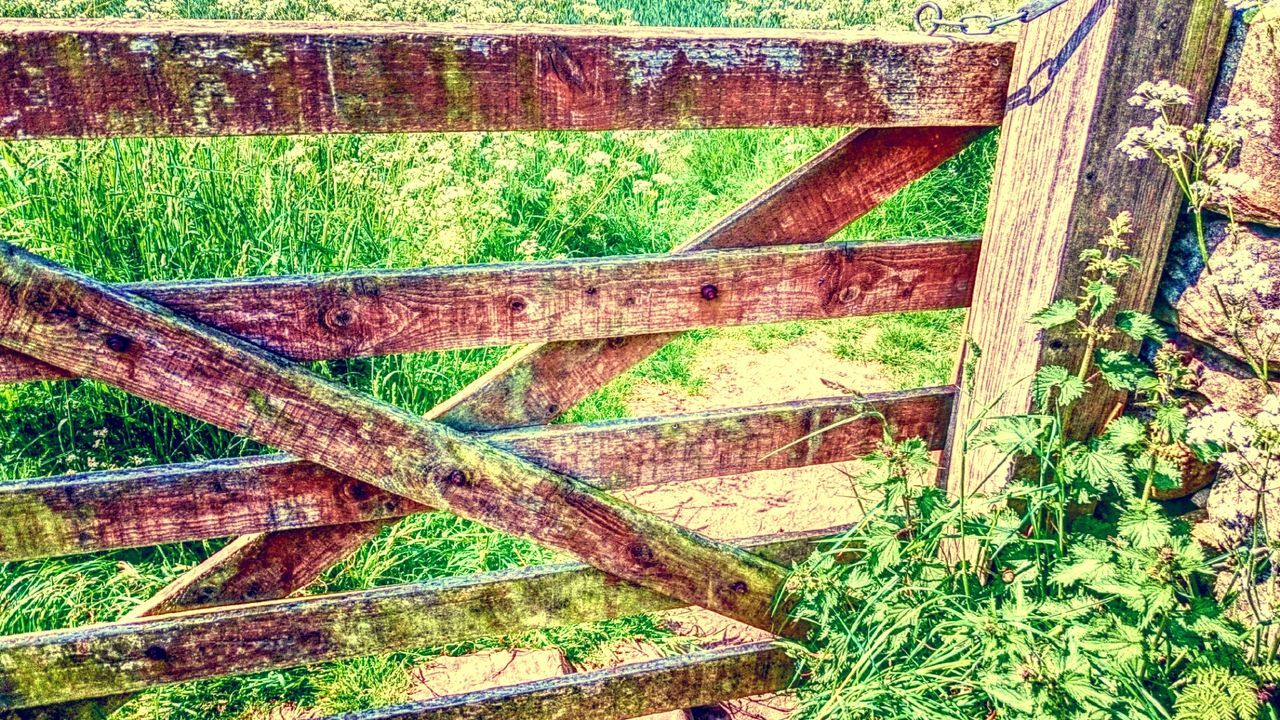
[
  {"x": 1232, "y": 511},
  {"x": 1222, "y": 380},
  {"x": 1255, "y": 61},
  {"x": 1236, "y": 307},
  {"x": 1196, "y": 476}
]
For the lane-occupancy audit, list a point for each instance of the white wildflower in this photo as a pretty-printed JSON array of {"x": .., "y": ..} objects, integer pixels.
[{"x": 1160, "y": 95}]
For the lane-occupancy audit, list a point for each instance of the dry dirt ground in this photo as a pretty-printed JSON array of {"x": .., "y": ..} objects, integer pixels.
[{"x": 736, "y": 374}]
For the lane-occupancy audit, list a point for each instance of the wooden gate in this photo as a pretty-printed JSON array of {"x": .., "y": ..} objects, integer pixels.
[{"x": 225, "y": 351}]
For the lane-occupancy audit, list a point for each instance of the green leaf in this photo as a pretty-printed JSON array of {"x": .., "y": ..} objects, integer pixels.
[
  {"x": 1088, "y": 561},
  {"x": 1103, "y": 296},
  {"x": 1124, "y": 432},
  {"x": 1059, "y": 313},
  {"x": 1017, "y": 434},
  {"x": 1052, "y": 377},
  {"x": 1105, "y": 466},
  {"x": 1145, "y": 525},
  {"x": 1170, "y": 419},
  {"x": 1140, "y": 326},
  {"x": 1168, "y": 474},
  {"x": 886, "y": 551},
  {"x": 1122, "y": 370},
  {"x": 1096, "y": 468}
]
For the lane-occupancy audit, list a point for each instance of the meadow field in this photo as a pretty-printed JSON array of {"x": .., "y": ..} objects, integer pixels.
[{"x": 130, "y": 210}]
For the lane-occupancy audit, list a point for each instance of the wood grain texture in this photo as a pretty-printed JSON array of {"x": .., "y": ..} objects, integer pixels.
[
  {"x": 195, "y": 501},
  {"x": 639, "y": 689},
  {"x": 83, "y": 326},
  {"x": 93, "y": 78},
  {"x": 1059, "y": 178},
  {"x": 110, "y": 658},
  {"x": 357, "y": 314},
  {"x": 837, "y": 186}
]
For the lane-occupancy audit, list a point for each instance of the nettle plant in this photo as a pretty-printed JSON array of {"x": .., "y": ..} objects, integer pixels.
[
  {"x": 1070, "y": 593},
  {"x": 1106, "y": 615},
  {"x": 1246, "y": 446}
]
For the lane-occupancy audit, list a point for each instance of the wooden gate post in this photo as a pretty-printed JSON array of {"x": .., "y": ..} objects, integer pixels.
[{"x": 1058, "y": 180}]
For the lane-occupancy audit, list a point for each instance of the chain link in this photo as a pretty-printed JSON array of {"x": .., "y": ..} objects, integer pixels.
[{"x": 931, "y": 20}]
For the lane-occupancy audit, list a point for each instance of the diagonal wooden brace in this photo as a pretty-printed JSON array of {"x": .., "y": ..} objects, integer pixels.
[{"x": 78, "y": 324}]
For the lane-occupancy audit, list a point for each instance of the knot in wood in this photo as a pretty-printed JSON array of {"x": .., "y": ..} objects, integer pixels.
[
  {"x": 337, "y": 317},
  {"x": 709, "y": 292},
  {"x": 849, "y": 294},
  {"x": 517, "y": 304},
  {"x": 456, "y": 477},
  {"x": 119, "y": 343},
  {"x": 640, "y": 552},
  {"x": 564, "y": 67},
  {"x": 155, "y": 652},
  {"x": 357, "y": 491},
  {"x": 39, "y": 300}
]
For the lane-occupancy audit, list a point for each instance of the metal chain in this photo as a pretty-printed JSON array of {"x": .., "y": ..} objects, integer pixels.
[{"x": 930, "y": 19}]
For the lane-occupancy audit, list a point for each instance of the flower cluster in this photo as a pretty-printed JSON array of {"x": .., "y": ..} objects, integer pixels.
[
  {"x": 1200, "y": 158},
  {"x": 1199, "y": 155}
]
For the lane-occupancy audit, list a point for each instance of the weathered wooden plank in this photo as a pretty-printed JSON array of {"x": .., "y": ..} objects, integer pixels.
[
  {"x": 364, "y": 313},
  {"x": 697, "y": 678},
  {"x": 82, "y": 78},
  {"x": 837, "y": 186},
  {"x": 1059, "y": 179},
  {"x": 195, "y": 501},
  {"x": 104, "y": 659},
  {"x": 86, "y": 327}
]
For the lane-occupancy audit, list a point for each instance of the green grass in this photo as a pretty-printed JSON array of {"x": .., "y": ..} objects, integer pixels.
[{"x": 130, "y": 210}]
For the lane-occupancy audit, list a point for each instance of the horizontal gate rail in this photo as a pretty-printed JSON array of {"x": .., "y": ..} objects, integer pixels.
[
  {"x": 83, "y": 78},
  {"x": 195, "y": 501},
  {"x": 111, "y": 658},
  {"x": 317, "y": 317},
  {"x": 634, "y": 690}
]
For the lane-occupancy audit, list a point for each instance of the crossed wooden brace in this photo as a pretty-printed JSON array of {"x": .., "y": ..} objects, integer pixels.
[
  {"x": 76, "y": 323},
  {"x": 89, "y": 329}
]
